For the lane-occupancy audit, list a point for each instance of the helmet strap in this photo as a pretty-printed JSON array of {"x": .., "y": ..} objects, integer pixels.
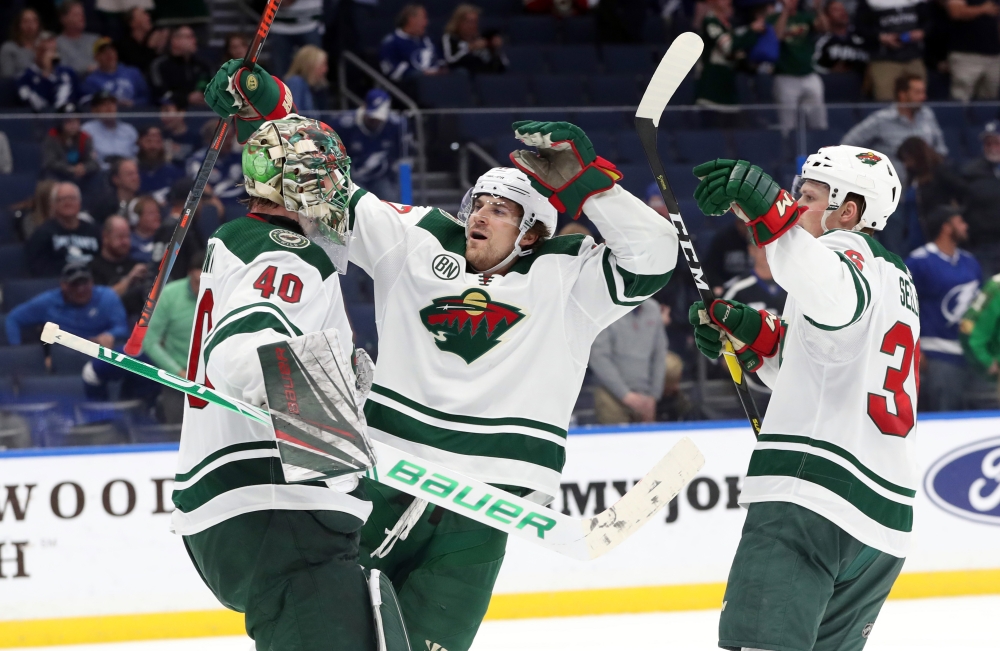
[{"x": 526, "y": 224}]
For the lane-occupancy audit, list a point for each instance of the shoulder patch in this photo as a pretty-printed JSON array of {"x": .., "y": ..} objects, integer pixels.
[
  {"x": 876, "y": 247},
  {"x": 247, "y": 238}
]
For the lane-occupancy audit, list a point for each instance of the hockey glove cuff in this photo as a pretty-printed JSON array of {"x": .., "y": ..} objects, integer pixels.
[
  {"x": 565, "y": 170},
  {"x": 756, "y": 334},
  {"x": 253, "y": 96},
  {"x": 768, "y": 211}
]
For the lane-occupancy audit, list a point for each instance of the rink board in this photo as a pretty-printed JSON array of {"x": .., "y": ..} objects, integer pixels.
[{"x": 86, "y": 554}]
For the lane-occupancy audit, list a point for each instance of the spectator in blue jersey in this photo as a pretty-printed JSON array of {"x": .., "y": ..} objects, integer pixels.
[
  {"x": 124, "y": 82},
  {"x": 372, "y": 136},
  {"x": 47, "y": 86},
  {"x": 147, "y": 244},
  {"x": 306, "y": 79},
  {"x": 225, "y": 184},
  {"x": 155, "y": 172},
  {"x": 408, "y": 51},
  {"x": 80, "y": 308},
  {"x": 947, "y": 279},
  {"x": 112, "y": 137}
]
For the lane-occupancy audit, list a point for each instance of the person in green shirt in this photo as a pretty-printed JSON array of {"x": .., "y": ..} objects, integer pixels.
[
  {"x": 724, "y": 47},
  {"x": 796, "y": 82},
  {"x": 979, "y": 329},
  {"x": 169, "y": 335}
]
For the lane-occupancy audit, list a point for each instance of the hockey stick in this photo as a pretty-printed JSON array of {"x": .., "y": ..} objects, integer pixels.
[
  {"x": 580, "y": 538},
  {"x": 134, "y": 344},
  {"x": 682, "y": 55}
]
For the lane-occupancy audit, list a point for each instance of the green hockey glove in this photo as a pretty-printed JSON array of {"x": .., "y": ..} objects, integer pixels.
[
  {"x": 565, "y": 170},
  {"x": 741, "y": 323},
  {"x": 253, "y": 96},
  {"x": 754, "y": 196}
]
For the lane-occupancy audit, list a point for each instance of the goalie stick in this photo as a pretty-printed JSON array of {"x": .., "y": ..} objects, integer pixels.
[
  {"x": 579, "y": 538},
  {"x": 682, "y": 55},
  {"x": 134, "y": 344}
]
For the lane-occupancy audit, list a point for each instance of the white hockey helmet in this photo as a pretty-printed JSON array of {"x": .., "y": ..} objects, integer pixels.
[
  {"x": 846, "y": 169},
  {"x": 513, "y": 184}
]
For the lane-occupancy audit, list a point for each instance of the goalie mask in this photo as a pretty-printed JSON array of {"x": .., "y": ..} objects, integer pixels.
[
  {"x": 854, "y": 170},
  {"x": 302, "y": 164},
  {"x": 513, "y": 184}
]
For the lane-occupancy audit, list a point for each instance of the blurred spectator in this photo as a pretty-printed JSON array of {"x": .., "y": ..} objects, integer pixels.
[
  {"x": 372, "y": 135},
  {"x": 36, "y": 211},
  {"x": 197, "y": 237},
  {"x": 225, "y": 184},
  {"x": 974, "y": 52},
  {"x": 894, "y": 29},
  {"x": 295, "y": 25},
  {"x": 716, "y": 83},
  {"x": 796, "y": 83},
  {"x": 124, "y": 82},
  {"x": 112, "y": 137},
  {"x": 156, "y": 172},
  {"x": 6, "y": 158},
  {"x": 179, "y": 139},
  {"x": 886, "y": 129},
  {"x": 47, "y": 86},
  {"x": 68, "y": 153},
  {"x": 982, "y": 178},
  {"x": 556, "y": 7},
  {"x": 464, "y": 47},
  {"x": 76, "y": 46},
  {"x": 757, "y": 289},
  {"x": 979, "y": 330},
  {"x": 306, "y": 79},
  {"x": 841, "y": 48},
  {"x": 63, "y": 238},
  {"x": 946, "y": 279},
  {"x": 147, "y": 242},
  {"x": 180, "y": 71},
  {"x": 19, "y": 52},
  {"x": 727, "y": 255},
  {"x": 168, "y": 338},
  {"x": 628, "y": 359},
  {"x": 120, "y": 199},
  {"x": 177, "y": 13},
  {"x": 935, "y": 183},
  {"x": 113, "y": 268},
  {"x": 142, "y": 43},
  {"x": 408, "y": 51},
  {"x": 236, "y": 47},
  {"x": 80, "y": 308},
  {"x": 655, "y": 200}
]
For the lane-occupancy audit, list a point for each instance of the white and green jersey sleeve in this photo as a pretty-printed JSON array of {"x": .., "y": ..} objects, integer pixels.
[
  {"x": 840, "y": 427},
  {"x": 260, "y": 284},
  {"x": 480, "y": 373}
]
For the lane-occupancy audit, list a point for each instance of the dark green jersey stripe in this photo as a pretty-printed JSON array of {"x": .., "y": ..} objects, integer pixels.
[
  {"x": 878, "y": 250},
  {"x": 839, "y": 480},
  {"x": 230, "y": 476},
  {"x": 448, "y": 232},
  {"x": 863, "y": 291},
  {"x": 253, "y": 322},
  {"x": 247, "y": 238},
  {"x": 840, "y": 452},
  {"x": 634, "y": 285},
  {"x": 518, "y": 447},
  {"x": 352, "y": 206},
  {"x": 470, "y": 420},
  {"x": 229, "y": 449},
  {"x": 561, "y": 245}
]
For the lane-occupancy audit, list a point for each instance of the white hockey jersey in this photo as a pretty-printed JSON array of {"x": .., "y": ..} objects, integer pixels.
[
  {"x": 260, "y": 284},
  {"x": 481, "y": 373},
  {"x": 838, "y": 437}
]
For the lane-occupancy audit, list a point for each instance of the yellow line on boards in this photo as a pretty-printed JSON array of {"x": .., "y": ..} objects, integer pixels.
[{"x": 575, "y": 603}]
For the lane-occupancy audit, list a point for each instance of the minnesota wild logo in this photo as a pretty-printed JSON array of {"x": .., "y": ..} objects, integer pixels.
[
  {"x": 469, "y": 325},
  {"x": 868, "y": 158}
]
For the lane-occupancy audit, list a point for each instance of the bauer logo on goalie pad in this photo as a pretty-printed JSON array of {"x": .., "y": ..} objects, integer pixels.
[{"x": 469, "y": 325}]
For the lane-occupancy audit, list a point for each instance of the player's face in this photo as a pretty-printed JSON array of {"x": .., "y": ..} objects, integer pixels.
[
  {"x": 492, "y": 232},
  {"x": 815, "y": 197}
]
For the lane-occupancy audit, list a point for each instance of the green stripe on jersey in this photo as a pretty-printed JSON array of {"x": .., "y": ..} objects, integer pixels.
[
  {"x": 836, "y": 479},
  {"x": 878, "y": 250},
  {"x": 842, "y": 453},
  {"x": 634, "y": 285},
  {"x": 561, "y": 245},
  {"x": 247, "y": 238},
  {"x": 469, "y": 420},
  {"x": 352, "y": 206},
  {"x": 864, "y": 293},
  {"x": 230, "y": 476},
  {"x": 519, "y": 447},
  {"x": 252, "y": 322},
  {"x": 448, "y": 232},
  {"x": 229, "y": 449}
]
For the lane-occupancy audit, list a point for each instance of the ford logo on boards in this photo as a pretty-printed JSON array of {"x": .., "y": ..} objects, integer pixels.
[{"x": 966, "y": 482}]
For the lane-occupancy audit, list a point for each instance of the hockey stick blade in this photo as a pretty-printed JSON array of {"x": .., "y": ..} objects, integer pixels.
[
  {"x": 675, "y": 65},
  {"x": 580, "y": 538}
]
